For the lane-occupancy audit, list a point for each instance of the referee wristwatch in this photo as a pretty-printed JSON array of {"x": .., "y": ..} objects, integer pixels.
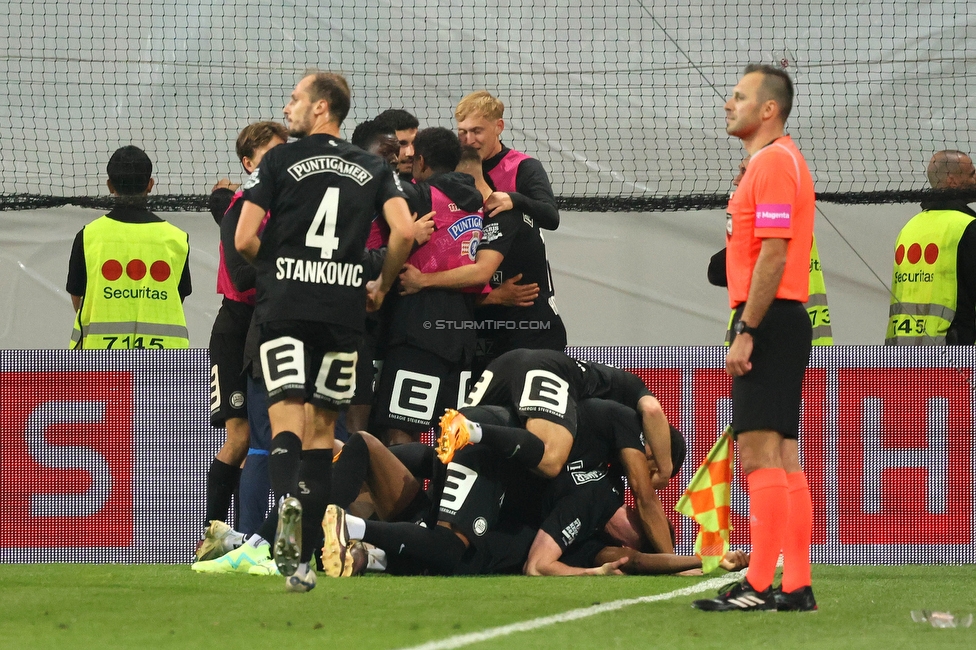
[{"x": 741, "y": 328}]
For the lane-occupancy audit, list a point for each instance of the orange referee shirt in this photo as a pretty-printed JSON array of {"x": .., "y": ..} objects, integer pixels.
[{"x": 775, "y": 199}]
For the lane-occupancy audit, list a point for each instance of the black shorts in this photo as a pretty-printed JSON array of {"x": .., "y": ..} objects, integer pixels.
[
  {"x": 484, "y": 492},
  {"x": 768, "y": 396},
  {"x": 581, "y": 512},
  {"x": 367, "y": 370},
  {"x": 228, "y": 382},
  {"x": 313, "y": 361},
  {"x": 414, "y": 389},
  {"x": 534, "y": 392}
]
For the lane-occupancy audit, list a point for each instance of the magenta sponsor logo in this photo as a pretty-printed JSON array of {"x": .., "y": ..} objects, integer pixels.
[{"x": 773, "y": 215}]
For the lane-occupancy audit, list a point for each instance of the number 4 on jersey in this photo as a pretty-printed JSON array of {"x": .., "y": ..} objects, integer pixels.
[{"x": 325, "y": 216}]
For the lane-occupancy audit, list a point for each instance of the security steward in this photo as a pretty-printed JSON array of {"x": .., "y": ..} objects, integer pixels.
[
  {"x": 129, "y": 270},
  {"x": 933, "y": 284}
]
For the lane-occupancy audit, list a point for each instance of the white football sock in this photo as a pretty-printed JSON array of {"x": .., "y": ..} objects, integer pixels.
[
  {"x": 257, "y": 541},
  {"x": 474, "y": 432},
  {"x": 356, "y": 527}
]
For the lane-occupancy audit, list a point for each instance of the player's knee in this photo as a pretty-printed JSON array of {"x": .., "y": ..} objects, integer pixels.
[
  {"x": 238, "y": 440},
  {"x": 372, "y": 442}
]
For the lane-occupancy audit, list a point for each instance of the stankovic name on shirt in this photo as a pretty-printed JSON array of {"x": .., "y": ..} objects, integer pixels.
[
  {"x": 334, "y": 164},
  {"x": 320, "y": 272}
]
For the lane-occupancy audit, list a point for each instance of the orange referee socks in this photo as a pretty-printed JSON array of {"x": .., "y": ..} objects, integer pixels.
[
  {"x": 799, "y": 531},
  {"x": 768, "y": 507}
]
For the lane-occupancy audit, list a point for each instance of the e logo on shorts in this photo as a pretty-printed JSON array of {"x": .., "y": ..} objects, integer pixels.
[
  {"x": 283, "y": 362},
  {"x": 545, "y": 390},
  {"x": 414, "y": 395}
]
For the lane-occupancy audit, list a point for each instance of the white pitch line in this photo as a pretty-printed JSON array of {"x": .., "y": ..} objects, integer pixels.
[{"x": 572, "y": 615}]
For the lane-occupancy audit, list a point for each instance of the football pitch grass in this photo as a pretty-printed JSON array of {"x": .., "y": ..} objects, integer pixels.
[{"x": 163, "y": 606}]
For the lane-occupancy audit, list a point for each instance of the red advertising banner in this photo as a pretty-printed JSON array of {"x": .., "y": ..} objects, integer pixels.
[
  {"x": 886, "y": 441},
  {"x": 103, "y": 454},
  {"x": 66, "y": 449}
]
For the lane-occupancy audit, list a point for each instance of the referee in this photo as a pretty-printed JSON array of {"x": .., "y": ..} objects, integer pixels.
[
  {"x": 312, "y": 291},
  {"x": 768, "y": 238}
]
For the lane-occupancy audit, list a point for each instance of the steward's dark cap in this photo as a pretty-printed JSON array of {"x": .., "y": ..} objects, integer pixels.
[{"x": 130, "y": 170}]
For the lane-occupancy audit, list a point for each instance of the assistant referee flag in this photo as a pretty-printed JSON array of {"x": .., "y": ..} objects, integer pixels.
[{"x": 706, "y": 500}]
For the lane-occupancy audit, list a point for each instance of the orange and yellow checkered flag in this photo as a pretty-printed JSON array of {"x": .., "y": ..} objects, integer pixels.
[{"x": 706, "y": 500}]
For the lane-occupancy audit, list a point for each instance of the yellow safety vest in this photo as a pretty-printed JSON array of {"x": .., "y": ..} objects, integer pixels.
[
  {"x": 132, "y": 298},
  {"x": 924, "y": 282},
  {"x": 816, "y": 304}
]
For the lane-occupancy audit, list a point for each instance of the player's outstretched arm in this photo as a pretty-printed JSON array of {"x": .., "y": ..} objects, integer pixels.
[
  {"x": 544, "y": 561},
  {"x": 246, "y": 239},
  {"x": 637, "y": 563},
  {"x": 471, "y": 275},
  {"x": 401, "y": 223},
  {"x": 649, "y": 508}
]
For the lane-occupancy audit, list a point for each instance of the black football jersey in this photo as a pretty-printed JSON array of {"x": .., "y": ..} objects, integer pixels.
[
  {"x": 321, "y": 193},
  {"x": 517, "y": 237},
  {"x": 605, "y": 427}
]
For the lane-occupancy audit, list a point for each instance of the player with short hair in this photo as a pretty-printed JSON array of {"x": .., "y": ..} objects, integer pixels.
[
  {"x": 312, "y": 296},
  {"x": 228, "y": 381},
  {"x": 519, "y": 182},
  {"x": 405, "y": 125},
  {"x": 379, "y": 139},
  {"x": 520, "y": 204},
  {"x": 582, "y": 500},
  {"x": 429, "y": 344},
  {"x": 768, "y": 240}
]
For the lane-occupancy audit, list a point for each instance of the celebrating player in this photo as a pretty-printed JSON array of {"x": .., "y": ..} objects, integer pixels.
[
  {"x": 321, "y": 193},
  {"x": 429, "y": 344},
  {"x": 544, "y": 387},
  {"x": 228, "y": 383}
]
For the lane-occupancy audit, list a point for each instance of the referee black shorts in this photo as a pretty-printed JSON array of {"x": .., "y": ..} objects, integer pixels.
[
  {"x": 768, "y": 396},
  {"x": 309, "y": 360},
  {"x": 228, "y": 382}
]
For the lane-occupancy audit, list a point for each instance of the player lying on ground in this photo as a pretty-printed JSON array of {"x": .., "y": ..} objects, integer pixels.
[{"x": 490, "y": 509}]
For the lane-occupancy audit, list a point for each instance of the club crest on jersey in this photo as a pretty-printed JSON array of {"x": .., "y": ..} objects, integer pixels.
[
  {"x": 252, "y": 180},
  {"x": 470, "y": 247},
  {"x": 468, "y": 224},
  {"x": 331, "y": 164}
]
